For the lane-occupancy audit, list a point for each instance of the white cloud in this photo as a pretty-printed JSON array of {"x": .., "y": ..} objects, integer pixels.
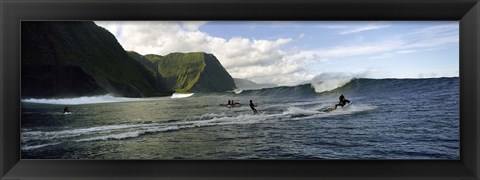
[
  {"x": 363, "y": 28},
  {"x": 192, "y": 25},
  {"x": 350, "y": 29},
  {"x": 242, "y": 57},
  {"x": 287, "y": 79},
  {"x": 343, "y": 51},
  {"x": 266, "y": 61},
  {"x": 422, "y": 40}
]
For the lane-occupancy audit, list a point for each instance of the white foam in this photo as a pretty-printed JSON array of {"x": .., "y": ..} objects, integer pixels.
[
  {"x": 205, "y": 116},
  {"x": 26, "y": 148},
  {"x": 181, "y": 95},
  {"x": 162, "y": 127},
  {"x": 350, "y": 109},
  {"x": 130, "y": 134},
  {"x": 295, "y": 111},
  {"x": 32, "y": 135},
  {"x": 159, "y": 127},
  {"x": 316, "y": 112},
  {"x": 123, "y": 131},
  {"x": 237, "y": 91},
  {"x": 330, "y": 81},
  {"x": 357, "y": 108},
  {"x": 85, "y": 100}
]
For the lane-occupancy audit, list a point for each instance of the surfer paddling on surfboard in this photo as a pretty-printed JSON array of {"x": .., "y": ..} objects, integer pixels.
[
  {"x": 342, "y": 102},
  {"x": 65, "y": 110},
  {"x": 253, "y": 107}
]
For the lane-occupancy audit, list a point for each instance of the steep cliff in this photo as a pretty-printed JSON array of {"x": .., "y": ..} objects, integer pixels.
[
  {"x": 78, "y": 58},
  {"x": 192, "y": 72}
]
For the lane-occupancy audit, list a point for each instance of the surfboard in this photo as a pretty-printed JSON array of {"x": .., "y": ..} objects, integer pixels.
[
  {"x": 327, "y": 109},
  {"x": 231, "y": 106},
  {"x": 332, "y": 108},
  {"x": 346, "y": 105}
]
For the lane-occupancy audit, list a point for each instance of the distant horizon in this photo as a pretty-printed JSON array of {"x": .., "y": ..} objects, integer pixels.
[
  {"x": 289, "y": 53},
  {"x": 412, "y": 78}
]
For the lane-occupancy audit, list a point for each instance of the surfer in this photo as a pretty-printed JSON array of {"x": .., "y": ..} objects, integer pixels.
[
  {"x": 253, "y": 107},
  {"x": 342, "y": 102},
  {"x": 65, "y": 110}
]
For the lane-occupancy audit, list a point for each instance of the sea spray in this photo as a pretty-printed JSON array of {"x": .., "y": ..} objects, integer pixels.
[
  {"x": 330, "y": 81},
  {"x": 86, "y": 100},
  {"x": 297, "y": 113},
  {"x": 237, "y": 91},
  {"x": 181, "y": 95},
  {"x": 125, "y": 131}
]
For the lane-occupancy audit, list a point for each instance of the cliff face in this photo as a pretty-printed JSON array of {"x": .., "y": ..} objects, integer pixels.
[
  {"x": 214, "y": 77},
  {"x": 192, "y": 72},
  {"x": 69, "y": 59}
]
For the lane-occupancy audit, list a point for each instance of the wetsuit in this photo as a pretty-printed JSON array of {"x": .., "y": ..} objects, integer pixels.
[
  {"x": 253, "y": 107},
  {"x": 342, "y": 102}
]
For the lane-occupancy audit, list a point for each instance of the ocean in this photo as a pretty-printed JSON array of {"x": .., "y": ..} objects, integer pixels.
[{"x": 388, "y": 119}]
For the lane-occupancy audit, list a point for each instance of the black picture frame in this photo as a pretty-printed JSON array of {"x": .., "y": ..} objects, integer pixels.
[{"x": 12, "y": 12}]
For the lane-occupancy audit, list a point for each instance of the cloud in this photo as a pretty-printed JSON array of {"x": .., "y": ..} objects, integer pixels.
[
  {"x": 296, "y": 78},
  {"x": 350, "y": 29},
  {"x": 422, "y": 40},
  {"x": 242, "y": 57},
  {"x": 301, "y": 35},
  {"x": 363, "y": 28},
  {"x": 437, "y": 73},
  {"x": 343, "y": 51},
  {"x": 268, "y": 61},
  {"x": 192, "y": 25}
]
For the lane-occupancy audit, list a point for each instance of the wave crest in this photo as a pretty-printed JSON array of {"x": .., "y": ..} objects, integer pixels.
[
  {"x": 330, "y": 81},
  {"x": 84, "y": 100},
  {"x": 181, "y": 95}
]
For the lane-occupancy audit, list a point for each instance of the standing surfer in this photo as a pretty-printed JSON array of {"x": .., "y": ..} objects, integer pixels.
[
  {"x": 342, "y": 102},
  {"x": 253, "y": 107}
]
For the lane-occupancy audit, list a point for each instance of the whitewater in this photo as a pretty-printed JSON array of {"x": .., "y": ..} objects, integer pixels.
[{"x": 388, "y": 119}]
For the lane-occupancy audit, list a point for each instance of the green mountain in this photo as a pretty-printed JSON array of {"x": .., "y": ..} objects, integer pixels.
[
  {"x": 70, "y": 59},
  {"x": 78, "y": 58},
  {"x": 188, "y": 72}
]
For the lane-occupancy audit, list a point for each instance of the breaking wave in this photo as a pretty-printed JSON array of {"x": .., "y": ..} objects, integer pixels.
[
  {"x": 330, "y": 81},
  {"x": 349, "y": 84},
  {"x": 86, "y": 100},
  {"x": 181, "y": 95}
]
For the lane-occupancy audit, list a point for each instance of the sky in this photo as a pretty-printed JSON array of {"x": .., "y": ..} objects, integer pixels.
[{"x": 295, "y": 52}]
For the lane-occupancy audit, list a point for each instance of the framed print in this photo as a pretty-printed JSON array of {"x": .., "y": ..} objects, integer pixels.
[
  {"x": 201, "y": 89},
  {"x": 292, "y": 90}
]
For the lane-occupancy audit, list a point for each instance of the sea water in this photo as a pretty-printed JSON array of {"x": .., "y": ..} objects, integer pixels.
[{"x": 388, "y": 119}]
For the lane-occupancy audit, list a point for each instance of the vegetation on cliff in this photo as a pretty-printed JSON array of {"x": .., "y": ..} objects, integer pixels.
[{"x": 79, "y": 58}]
